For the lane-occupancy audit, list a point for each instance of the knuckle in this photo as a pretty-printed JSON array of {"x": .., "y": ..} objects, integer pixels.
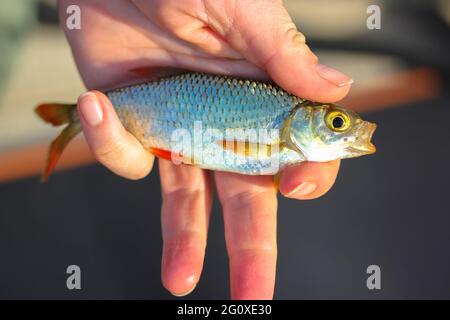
[
  {"x": 243, "y": 199},
  {"x": 294, "y": 35},
  {"x": 180, "y": 240},
  {"x": 298, "y": 39},
  {"x": 183, "y": 199},
  {"x": 261, "y": 249}
]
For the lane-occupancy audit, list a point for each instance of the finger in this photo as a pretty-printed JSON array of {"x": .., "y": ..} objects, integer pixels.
[
  {"x": 308, "y": 180},
  {"x": 185, "y": 216},
  {"x": 273, "y": 43},
  {"x": 249, "y": 209},
  {"x": 111, "y": 144}
]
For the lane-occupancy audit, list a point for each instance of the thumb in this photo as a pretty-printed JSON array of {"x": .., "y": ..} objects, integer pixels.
[
  {"x": 264, "y": 33},
  {"x": 109, "y": 141}
]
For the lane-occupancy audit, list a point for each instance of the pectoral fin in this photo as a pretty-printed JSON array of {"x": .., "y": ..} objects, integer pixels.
[{"x": 249, "y": 149}]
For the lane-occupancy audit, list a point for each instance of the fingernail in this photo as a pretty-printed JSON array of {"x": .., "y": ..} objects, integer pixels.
[
  {"x": 334, "y": 76},
  {"x": 302, "y": 190},
  {"x": 90, "y": 109},
  {"x": 184, "y": 293}
]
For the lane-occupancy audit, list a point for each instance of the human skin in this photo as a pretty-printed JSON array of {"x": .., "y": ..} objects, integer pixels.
[{"x": 245, "y": 38}]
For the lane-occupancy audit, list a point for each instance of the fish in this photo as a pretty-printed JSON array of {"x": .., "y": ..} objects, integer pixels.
[{"x": 223, "y": 123}]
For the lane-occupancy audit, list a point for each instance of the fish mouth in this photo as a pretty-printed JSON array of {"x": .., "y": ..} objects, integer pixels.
[{"x": 366, "y": 132}]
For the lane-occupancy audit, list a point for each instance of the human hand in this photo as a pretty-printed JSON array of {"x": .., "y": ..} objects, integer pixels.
[{"x": 252, "y": 39}]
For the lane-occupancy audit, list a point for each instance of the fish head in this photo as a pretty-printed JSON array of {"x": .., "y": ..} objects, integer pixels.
[{"x": 324, "y": 132}]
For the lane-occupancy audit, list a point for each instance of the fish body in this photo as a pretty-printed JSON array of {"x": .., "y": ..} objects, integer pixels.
[
  {"x": 231, "y": 124},
  {"x": 193, "y": 103}
]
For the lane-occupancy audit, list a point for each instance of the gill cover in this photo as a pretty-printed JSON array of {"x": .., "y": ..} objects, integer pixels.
[{"x": 324, "y": 132}]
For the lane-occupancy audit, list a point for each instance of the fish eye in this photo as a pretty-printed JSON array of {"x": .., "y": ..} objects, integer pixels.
[{"x": 337, "y": 121}]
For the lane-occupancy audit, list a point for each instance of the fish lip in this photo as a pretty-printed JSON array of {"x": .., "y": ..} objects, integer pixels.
[
  {"x": 372, "y": 128},
  {"x": 367, "y": 147}
]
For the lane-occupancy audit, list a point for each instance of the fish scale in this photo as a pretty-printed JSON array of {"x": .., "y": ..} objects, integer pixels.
[{"x": 219, "y": 102}]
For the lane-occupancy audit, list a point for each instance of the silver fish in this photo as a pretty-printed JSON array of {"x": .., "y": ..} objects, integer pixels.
[{"x": 225, "y": 123}]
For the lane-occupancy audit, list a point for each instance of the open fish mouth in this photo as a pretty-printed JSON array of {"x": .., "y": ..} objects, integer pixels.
[{"x": 366, "y": 146}]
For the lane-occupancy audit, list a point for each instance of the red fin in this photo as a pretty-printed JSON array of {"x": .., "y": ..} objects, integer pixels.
[
  {"x": 276, "y": 181},
  {"x": 155, "y": 73},
  {"x": 57, "y": 147},
  {"x": 169, "y": 155},
  {"x": 55, "y": 113},
  {"x": 161, "y": 153}
]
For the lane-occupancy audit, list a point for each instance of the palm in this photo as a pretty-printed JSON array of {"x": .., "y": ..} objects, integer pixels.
[
  {"x": 121, "y": 35},
  {"x": 118, "y": 36}
]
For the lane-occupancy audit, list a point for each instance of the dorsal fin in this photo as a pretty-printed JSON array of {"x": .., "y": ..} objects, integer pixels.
[{"x": 153, "y": 73}]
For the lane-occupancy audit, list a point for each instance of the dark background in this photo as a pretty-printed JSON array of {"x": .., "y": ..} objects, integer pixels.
[{"x": 390, "y": 209}]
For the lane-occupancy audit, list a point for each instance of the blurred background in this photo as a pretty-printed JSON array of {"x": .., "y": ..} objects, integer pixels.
[{"x": 390, "y": 209}]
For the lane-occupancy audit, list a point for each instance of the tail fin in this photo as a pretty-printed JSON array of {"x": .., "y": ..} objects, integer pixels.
[{"x": 58, "y": 114}]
